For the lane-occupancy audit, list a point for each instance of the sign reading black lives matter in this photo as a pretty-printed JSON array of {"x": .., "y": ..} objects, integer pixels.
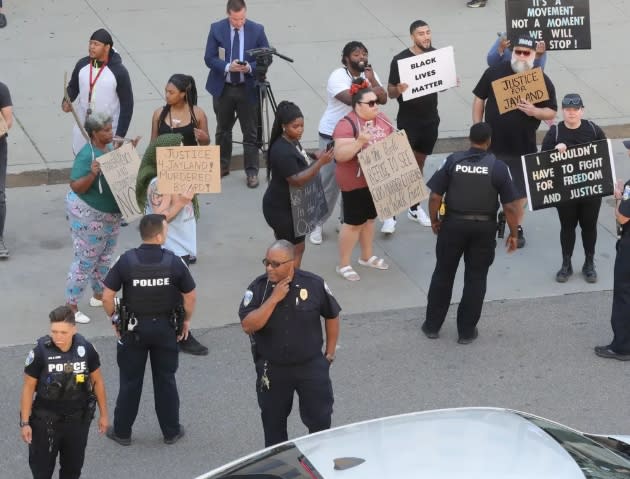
[
  {"x": 308, "y": 206},
  {"x": 562, "y": 24},
  {"x": 428, "y": 73},
  {"x": 581, "y": 171}
]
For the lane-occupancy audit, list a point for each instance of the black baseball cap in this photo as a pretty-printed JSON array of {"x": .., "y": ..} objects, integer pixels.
[
  {"x": 572, "y": 100},
  {"x": 525, "y": 41},
  {"x": 626, "y": 143}
]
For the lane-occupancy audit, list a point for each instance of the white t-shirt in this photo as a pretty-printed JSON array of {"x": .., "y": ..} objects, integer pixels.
[{"x": 338, "y": 81}]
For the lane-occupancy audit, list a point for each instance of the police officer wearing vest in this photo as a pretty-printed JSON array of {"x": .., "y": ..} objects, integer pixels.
[
  {"x": 281, "y": 311},
  {"x": 63, "y": 372},
  {"x": 469, "y": 183},
  {"x": 156, "y": 286}
]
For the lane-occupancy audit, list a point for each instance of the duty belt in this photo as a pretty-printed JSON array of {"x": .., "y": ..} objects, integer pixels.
[{"x": 459, "y": 216}]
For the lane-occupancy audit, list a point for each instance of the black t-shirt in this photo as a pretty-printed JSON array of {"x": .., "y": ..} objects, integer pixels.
[
  {"x": 513, "y": 133},
  {"x": 5, "y": 96},
  {"x": 624, "y": 207},
  {"x": 285, "y": 161},
  {"x": 419, "y": 110},
  {"x": 585, "y": 133}
]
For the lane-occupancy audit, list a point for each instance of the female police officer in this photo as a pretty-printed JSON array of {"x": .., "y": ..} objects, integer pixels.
[{"x": 64, "y": 370}]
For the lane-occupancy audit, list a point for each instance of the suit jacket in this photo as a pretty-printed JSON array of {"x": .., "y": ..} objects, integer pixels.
[{"x": 219, "y": 37}]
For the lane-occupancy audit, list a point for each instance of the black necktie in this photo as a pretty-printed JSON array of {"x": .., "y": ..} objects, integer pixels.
[{"x": 235, "y": 77}]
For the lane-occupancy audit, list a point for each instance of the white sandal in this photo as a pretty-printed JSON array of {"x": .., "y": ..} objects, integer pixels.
[
  {"x": 347, "y": 273},
  {"x": 374, "y": 262}
]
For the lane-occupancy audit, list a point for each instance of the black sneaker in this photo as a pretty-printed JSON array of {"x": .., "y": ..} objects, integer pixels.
[
  {"x": 176, "y": 437},
  {"x": 123, "y": 441},
  {"x": 4, "y": 251},
  {"x": 476, "y": 3},
  {"x": 3, "y": 20},
  {"x": 192, "y": 346},
  {"x": 429, "y": 334},
  {"x": 520, "y": 241},
  {"x": 469, "y": 340},
  {"x": 606, "y": 352}
]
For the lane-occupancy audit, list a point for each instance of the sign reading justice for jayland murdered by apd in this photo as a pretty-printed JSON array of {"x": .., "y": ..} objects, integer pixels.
[
  {"x": 561, "y": 24},
  {"x": 526, "y": 86},
  {"x": 581, "y": 171},
  {"x": 188, "y": 168},
  {"x": 428, "y": 73}
]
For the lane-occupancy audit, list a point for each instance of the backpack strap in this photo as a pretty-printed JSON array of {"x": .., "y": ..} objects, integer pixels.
[{"x": 355, "y": 132}]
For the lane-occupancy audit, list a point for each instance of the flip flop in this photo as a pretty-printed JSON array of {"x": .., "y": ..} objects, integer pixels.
[
  {"x": 347, "y": 273},
  {"x": 374, "y": 262}
]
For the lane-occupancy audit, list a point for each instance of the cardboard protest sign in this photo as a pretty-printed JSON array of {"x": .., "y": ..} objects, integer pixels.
[
  {"x": 4, "y": 128},
  {"x": 582, "y": 171},
  {"x": 428, "y": 73},
  {"x": 562, "y": 24},
  {"x": 188, "y": 168},
  {"x": 308, "y": 206},
  {"x": 527, "y": 86},
  {"x": 120, "y": 167},
  {"x": 392, "y": 174}
]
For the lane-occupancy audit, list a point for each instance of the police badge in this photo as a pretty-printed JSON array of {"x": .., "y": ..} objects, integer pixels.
[{"x": 81, "y": 351}]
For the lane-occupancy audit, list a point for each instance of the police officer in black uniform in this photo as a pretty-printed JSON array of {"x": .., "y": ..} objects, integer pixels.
[
  {"x": 63, "y": 371},
  {"x": 281, "y": 311},
  {"x": 619, "y": 348},
  {"x": 472, "y": 181},
  {"x": 157, "y": 304}
]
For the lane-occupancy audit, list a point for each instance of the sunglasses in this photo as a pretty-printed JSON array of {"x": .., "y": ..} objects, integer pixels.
[
  {"x": 571, "y": 101},
  {"x": 523, "y": 53},
  {"x": 274, "y": 264},
  {"x": 371, "y": 103}
]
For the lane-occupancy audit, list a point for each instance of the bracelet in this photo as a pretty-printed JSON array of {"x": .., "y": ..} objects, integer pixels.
[{"x": 24, "y": 423}]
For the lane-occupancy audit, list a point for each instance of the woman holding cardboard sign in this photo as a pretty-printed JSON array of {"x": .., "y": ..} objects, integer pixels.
[
  {"x": 288, "y": 165},
  {"x": 362, "y": 127}
]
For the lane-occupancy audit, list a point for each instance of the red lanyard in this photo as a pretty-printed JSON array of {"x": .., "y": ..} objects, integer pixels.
[{"x": 92, "y": 83}]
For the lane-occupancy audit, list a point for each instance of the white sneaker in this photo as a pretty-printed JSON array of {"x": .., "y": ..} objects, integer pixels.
[
  {"x": 95, "y": 303},
  {"x": 389, "y": 226},
  {"x": 81, "y": 318},
  {"x": 316, "y": 235},
  {"x": 419, "y": 216}
]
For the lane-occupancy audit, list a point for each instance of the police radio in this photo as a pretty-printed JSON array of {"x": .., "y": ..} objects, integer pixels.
[{"x": 501, "y": 224}]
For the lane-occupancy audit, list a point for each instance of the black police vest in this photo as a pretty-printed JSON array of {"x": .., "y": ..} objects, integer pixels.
[
  {"x": 470, "y": 191},
  {"x": 150, "y": 291},
  {"x": 65, "y": 377}
]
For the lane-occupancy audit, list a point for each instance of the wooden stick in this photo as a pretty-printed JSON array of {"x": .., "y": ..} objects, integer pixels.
[{"x": 66, "y": 97}]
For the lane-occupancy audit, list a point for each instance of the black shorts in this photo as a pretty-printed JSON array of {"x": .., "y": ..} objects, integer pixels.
[
  {"x": 422, "y": 136},
  {"x": 358, "y": 206},
  {"x": 281, "y": 223},
  {"x": 515, "y": 165}
]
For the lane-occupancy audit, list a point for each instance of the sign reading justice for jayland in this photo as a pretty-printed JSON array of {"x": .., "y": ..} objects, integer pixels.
[
  {"x": 188, "y": 168},
  {"x": 526, "y": 86}
]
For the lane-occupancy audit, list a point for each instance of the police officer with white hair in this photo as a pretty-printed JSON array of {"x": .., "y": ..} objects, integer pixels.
[
  {"x": 466, "y": 188},
  {"x": 157, "y": 304},
  {"x": 63, "y": 371}
]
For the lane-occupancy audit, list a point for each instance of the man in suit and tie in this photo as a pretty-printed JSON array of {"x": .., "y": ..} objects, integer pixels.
[{"x": 232, "y": 84}]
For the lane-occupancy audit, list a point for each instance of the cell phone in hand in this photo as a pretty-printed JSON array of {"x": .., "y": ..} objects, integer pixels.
[
  {"x": 330, "y": 145},
  {"x": 240, "y": 62},
  {"x": 369, "y": 124}
]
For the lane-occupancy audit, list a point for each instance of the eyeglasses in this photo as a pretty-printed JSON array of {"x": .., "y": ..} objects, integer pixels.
[
  {"x": 523, "y": 53},
  {"x": 371, "y": 103},
  {"x": 274, "y": 264}
]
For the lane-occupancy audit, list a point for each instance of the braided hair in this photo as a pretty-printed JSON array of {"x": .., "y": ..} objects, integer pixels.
[
  {"x": 186, "y": 85},
  {"x": 285, "y": 113}
]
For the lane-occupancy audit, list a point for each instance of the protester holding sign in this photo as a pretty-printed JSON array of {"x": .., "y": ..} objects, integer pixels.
[
  {"x": 419, "y": 116},
  {"x": 288, "y": 165},
  {"x": 6, "y": 122},
  {"x": 94, "y": 217},
  {"x": 514, "y": 132},
  {"x": 585, "y": 211},
  {"x": 364, "y": 126}
]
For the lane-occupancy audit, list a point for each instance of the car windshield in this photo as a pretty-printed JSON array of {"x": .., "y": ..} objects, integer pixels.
[
  {"x": 282, "y": 462},
  {"x": 595, "y": 460}
]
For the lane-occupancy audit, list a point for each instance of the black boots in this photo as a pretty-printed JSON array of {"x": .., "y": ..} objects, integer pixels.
[
  {"x": 566, "y": 270},
  {"x": 588, "y": 270}
]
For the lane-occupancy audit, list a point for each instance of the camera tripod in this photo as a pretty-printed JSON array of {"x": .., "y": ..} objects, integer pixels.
[{"x": 264, "y": 119}]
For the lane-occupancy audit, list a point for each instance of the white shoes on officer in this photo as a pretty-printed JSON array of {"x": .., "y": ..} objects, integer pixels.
[
  {"x": 389, "y": 226},
  {"x": 81, "y": 318},
  {"x": 316, "y": 235},
  {"x": 419, "y": 216}
]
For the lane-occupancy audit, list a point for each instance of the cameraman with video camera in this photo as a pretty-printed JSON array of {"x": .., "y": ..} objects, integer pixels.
[{"x": 231, "y": 82}]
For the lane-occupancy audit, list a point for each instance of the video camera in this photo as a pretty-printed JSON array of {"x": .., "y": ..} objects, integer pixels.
[{"x": 264, "y": 57}]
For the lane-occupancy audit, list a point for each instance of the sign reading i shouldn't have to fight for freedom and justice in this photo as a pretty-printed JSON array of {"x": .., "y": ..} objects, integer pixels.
[
  {"x": 194, "y": 169},
  {"x": 562, "y": 24},
  {"x": 581, "y": 171},
  {"x": 428, "y": 73},
  {"x": 526, "y": 86}
]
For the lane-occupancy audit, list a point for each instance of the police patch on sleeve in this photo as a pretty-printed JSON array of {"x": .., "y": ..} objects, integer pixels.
[
  {"x": 327, "y": 288},
  {"x": 247, "y": 298},
  {"x": 30, "y": 358},
  {"x": 626, "y": 193},
  {"x": 81, "y": 351}
]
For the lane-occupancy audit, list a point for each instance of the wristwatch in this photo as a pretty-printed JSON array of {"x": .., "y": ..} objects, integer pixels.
[{"x": 24, "y": 423}]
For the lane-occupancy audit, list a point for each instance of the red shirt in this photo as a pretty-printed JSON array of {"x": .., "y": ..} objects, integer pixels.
[{"x": 348, "y": 173}]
